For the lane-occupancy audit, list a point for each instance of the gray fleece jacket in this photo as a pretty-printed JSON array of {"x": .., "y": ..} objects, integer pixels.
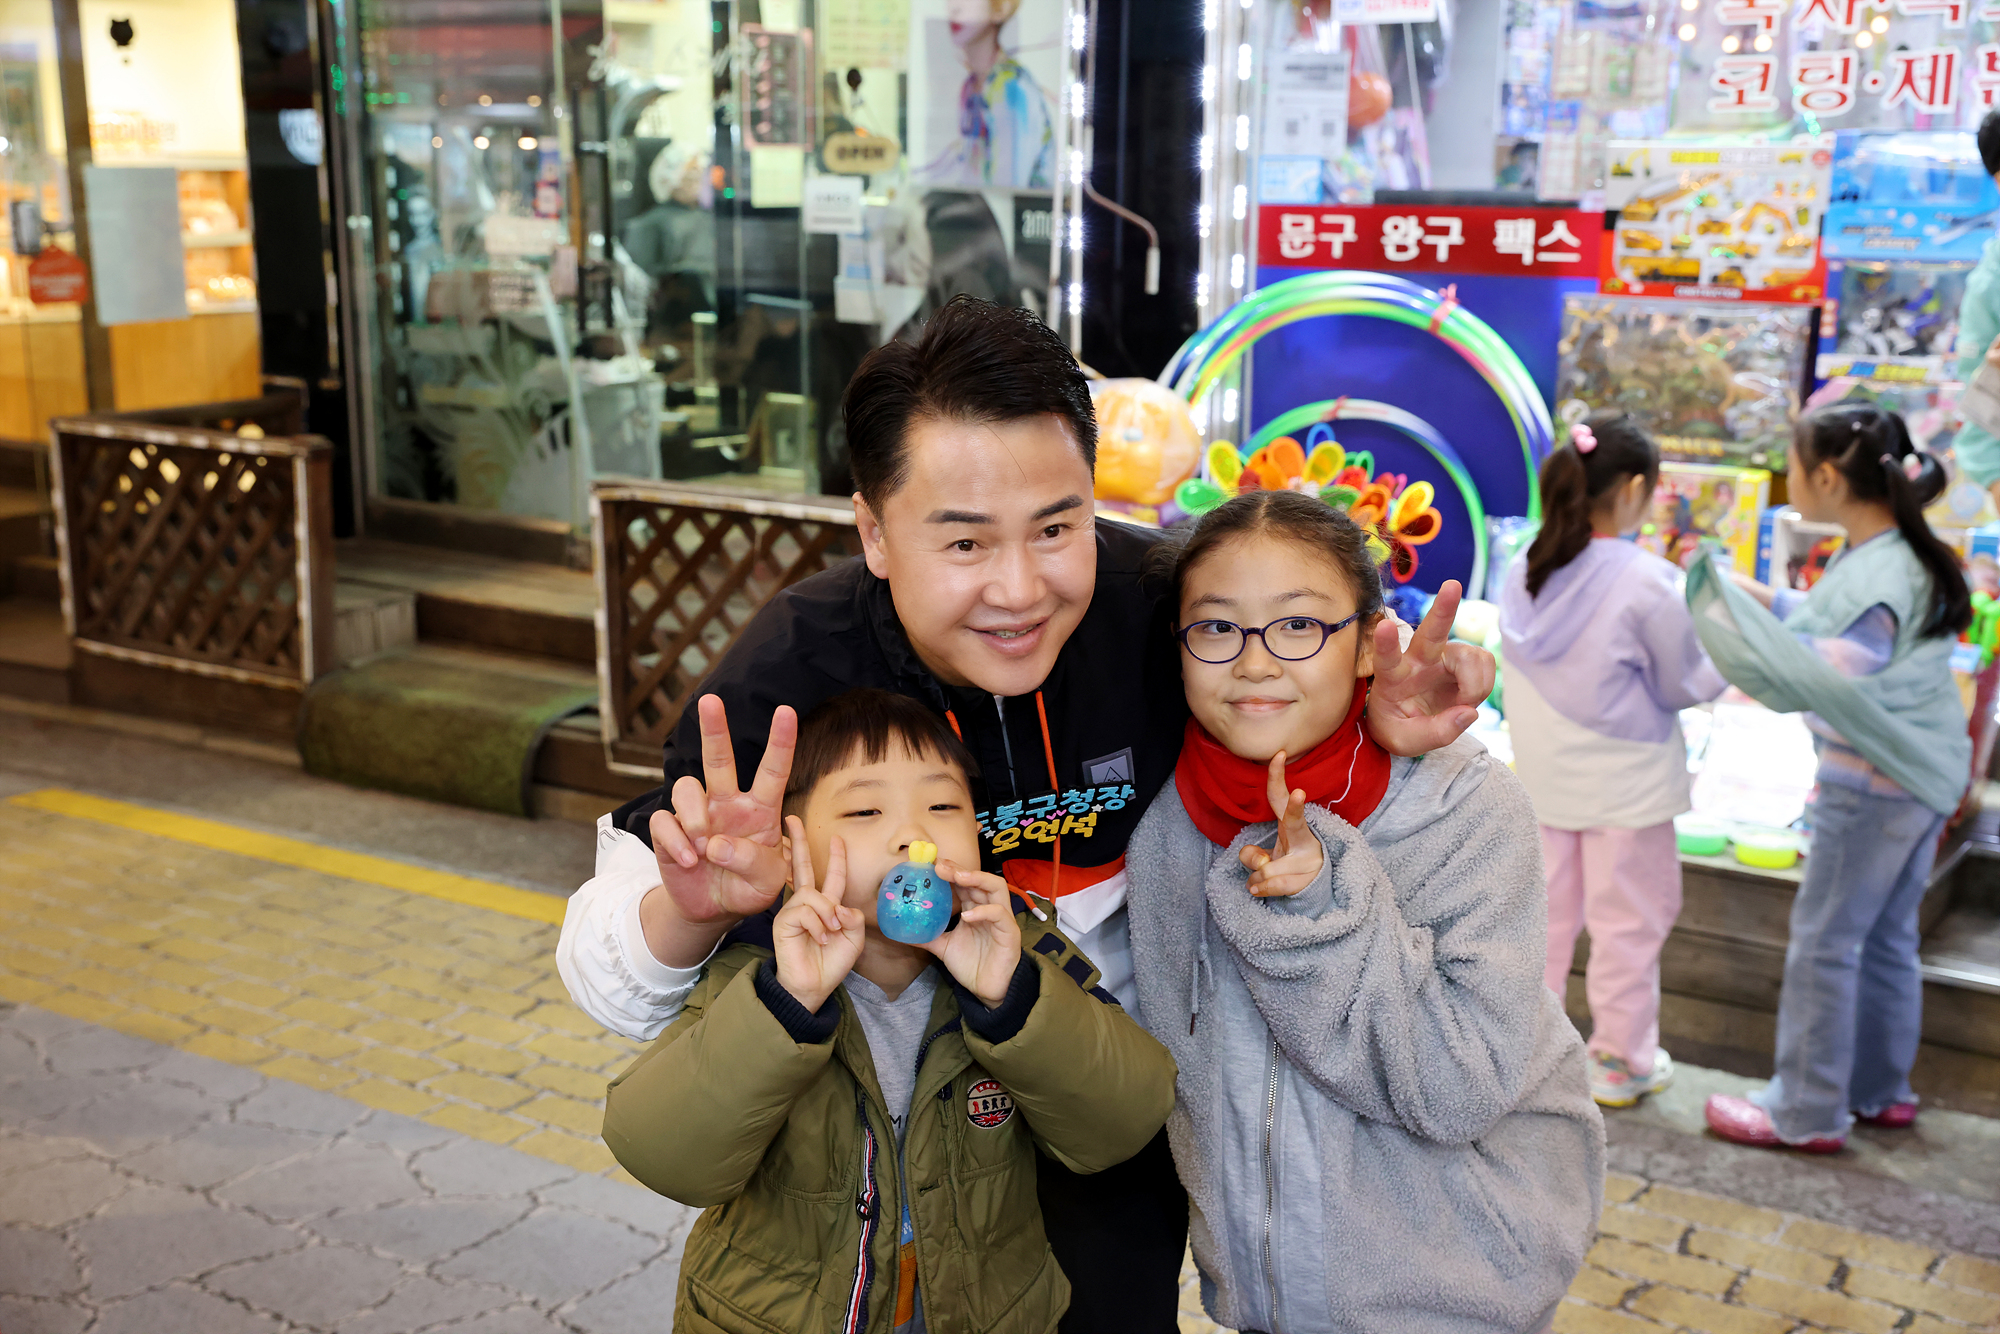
[{"x": 1383, "y": 1117}]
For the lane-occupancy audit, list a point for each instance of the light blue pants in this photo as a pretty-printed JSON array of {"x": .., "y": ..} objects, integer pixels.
[{"x": 1851, "y": 1013}]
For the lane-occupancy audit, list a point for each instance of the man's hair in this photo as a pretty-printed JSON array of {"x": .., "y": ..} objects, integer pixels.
[
  {"x": 1989, "y": 142},
  {"x": 975, "y": 362},
  {"x": 864, "y": 727}
]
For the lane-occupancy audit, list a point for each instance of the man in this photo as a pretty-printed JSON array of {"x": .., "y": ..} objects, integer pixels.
[
  {"x": 987, "y": 590},
  {"x": 1979, "y": 331}
]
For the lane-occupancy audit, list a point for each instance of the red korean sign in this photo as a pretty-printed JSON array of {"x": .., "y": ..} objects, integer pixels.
[
  {"x": 1522, "y": 242},
  {"x": 56, "y": 276}
]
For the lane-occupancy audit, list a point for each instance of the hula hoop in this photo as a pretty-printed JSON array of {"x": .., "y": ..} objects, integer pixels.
[
  {"x": 1205, "y": 358},
  {"x": 1419, "y": 430}
]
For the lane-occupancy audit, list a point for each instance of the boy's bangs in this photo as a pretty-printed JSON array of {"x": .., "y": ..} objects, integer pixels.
[{"x": 868, "y": 727}]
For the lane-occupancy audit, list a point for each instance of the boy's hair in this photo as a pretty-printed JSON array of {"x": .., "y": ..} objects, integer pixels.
[
  {"x": 1289, "y": 514},
  {"x": 1871, "y": 449},
  {"x": 1989, "y": 142},
  {"x": 1572, "y": 484},
  {"x": 975, "y": 362},
  {"x": 864, "y": 727}
]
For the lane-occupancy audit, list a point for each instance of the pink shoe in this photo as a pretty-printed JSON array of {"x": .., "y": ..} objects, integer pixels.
[
  {"x": 1741, "y": 1121},
  {"x": 1896, "y": 1116}
]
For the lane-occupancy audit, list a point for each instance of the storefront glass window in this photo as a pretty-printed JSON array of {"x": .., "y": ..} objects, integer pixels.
[
  {"x": 41, "y": 339},
  {"x": 692, "y": 217}
]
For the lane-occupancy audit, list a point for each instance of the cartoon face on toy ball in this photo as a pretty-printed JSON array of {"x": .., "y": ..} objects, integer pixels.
[
  {"x": 1146, "y": 441},
  {"x": 914, "y": 905}
]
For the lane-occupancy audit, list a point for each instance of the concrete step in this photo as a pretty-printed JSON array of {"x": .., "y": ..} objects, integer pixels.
[
  {"x": 483, "y": 602},
  {"x": 36, "y": 577},
  {"x": 23, "y": 463},
  {"x": 34, "y": 651},
  {"x": 369, "y": 619},
  {"x": 571, "y": 780},
  {"x": 24, "y": 524}
]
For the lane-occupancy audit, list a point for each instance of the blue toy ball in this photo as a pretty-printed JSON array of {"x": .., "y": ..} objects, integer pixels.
[{"x": 915, "y": 903}]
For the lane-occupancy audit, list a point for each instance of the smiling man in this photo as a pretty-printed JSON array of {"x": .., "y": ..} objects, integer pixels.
[{"x": 988, "y": 590}]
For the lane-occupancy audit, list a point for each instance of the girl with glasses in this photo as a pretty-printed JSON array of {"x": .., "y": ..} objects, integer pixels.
[
  {"x": 1382, "y": 1117},
  {"x": 1601, "y": 658}
]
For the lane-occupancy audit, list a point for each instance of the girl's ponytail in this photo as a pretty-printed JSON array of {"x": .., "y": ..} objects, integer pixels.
[
  {"x": 1873, "y": 451},
  {"x": 1603, "y": 452}
]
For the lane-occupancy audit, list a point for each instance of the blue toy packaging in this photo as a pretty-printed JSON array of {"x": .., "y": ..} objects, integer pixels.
[
  {"x": 1896, "y": 322},
  {"x": 1909, "y": 197}
]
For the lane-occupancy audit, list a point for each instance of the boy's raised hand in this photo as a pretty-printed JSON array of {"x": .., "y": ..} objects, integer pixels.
[
  {"x": 816, "y": 936},
  {"x": 718, "y": 848},
  {"x": 1426, "y": 695},
  {"x": 1293, "y": 863},
  {"x": 984, "y": 949}
]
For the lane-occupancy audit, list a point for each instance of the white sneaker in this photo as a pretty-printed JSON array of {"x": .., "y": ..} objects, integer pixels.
[{"x": 1612, "y": 1083}]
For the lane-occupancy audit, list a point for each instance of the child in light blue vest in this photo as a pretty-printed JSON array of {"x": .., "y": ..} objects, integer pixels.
[{"x": 1867, "y": 654}]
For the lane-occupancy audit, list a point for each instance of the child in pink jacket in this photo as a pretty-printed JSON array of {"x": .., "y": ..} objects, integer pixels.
[{"x": 1600, "y": 658}]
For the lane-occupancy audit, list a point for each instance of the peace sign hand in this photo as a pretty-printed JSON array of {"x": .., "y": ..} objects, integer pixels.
[
  {"x": 1426, "y": 695},
  {"x": 718, "y": 847},
  {"x": 817, "y": 938},
  {"x": 1294, "y": 862}
]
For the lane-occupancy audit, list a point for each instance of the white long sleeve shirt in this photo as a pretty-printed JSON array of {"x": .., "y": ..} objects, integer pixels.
[{"x": 612, "y": 975}]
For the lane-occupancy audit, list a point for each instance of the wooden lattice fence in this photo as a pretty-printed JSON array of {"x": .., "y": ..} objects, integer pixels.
[
  {"x": 680, "y": 572},
  {"x": 187, "y": 546}
]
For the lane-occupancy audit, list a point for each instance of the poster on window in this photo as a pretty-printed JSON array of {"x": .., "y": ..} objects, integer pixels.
[
  {"x": 1713, "y": 221},
  {"x": 984, "y": 75}
]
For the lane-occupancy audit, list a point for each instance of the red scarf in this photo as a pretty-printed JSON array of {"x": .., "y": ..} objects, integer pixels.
[{"x": 1347, "y": 774}]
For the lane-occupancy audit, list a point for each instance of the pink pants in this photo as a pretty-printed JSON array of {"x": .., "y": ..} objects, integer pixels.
[{"x": 1624, "y": 886}]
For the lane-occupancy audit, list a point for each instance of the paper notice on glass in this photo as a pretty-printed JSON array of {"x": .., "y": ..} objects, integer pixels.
[
  {"x": 1980, "y": 403},
  {"x": 138, "y": 268},
  {"x": 833, "y": 206},
  {"x": 777, "y": 177},
  {"x": 854, "y": 301},
  {"x": 864, "y": 34},
  {"x": 1305, "y": 105},
  {"x": 510, "y": 237}
]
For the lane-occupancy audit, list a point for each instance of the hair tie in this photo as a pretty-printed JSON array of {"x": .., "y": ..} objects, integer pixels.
[
  {"x": 1911, "y": 465},
  {"x": 1582, "y": 439}
]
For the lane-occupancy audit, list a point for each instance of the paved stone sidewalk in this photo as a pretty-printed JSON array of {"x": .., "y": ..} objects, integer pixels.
[
  {"x": 438, "y": 1010},
  {"x": 145, "y": 1190}
]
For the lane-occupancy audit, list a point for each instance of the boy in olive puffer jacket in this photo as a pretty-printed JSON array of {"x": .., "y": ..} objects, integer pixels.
[{"x": 868, "y": 1164}]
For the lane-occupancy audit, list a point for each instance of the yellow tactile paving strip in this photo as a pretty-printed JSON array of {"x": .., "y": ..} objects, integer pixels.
[
  {"x": 392, "y": 996},
  {"x": 436, "y": 996}
]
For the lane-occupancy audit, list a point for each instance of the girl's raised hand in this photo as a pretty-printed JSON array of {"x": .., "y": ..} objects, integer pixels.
[
  {"x": 1426, "y": 695},
  {"x": 816, "y": 937},
  {"x": 1293, "y": 863},
  {"x": 984, "y": 949}
]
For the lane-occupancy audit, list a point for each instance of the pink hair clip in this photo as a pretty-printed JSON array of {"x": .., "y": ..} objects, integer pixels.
[{"x": 1582, "y": 438}]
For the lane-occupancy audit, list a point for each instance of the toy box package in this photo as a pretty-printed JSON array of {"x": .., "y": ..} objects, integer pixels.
[
  {"x": 1895, "y": 322},
  {"x": 1704, "y": 220},
  {"x": 1792, "y": 553},
  {"x": 1712, "y": 382},
  {"x": 1696, "y": 501},
  {"x": 1920, "y": 196}
]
